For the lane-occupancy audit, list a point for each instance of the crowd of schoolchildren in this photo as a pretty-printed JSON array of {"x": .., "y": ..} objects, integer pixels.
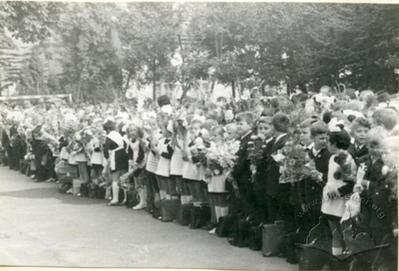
[{"x": 231, "y": 168}]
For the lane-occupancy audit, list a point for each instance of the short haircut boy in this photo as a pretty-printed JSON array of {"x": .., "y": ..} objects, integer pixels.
[
  {"x": 318, "y": 128},
  {"x": 360, "y": 122},
  {"x": 246, "y": 116},
  {"x": 281, "y": 122},
  {"x": 264, "y": 120}
]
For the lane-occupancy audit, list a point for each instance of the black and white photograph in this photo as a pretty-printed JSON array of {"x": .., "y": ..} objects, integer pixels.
[{"x": 199, "y": 135}]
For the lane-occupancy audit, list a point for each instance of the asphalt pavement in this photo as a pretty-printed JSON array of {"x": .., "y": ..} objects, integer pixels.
[{"x": 41, "y": 227}]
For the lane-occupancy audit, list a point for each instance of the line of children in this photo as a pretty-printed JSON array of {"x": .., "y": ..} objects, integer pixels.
[{"x": 165, "y": 157}]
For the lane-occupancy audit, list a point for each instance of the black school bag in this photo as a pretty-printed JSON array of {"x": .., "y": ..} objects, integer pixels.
[
  {"x": 240, "y": 233},
  {"x": 254, "y": 238},
  {"x": 65, "y": 184},
  {"x": 132, "y": 199},
  {"x": 226, "y": 225},
  {"x": 100, "y": 192},
  {"x": 84, "y": 190},
  {"x": 183, "y": 215},
  {"x": 199, "y": 216}
]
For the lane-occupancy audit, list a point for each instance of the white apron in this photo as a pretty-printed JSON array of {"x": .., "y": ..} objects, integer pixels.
[
  {"x": 117, "y": 138},
  {"x": 217, "y": 184},
  {"x": 163, "y": 167},
  {"x": 177, "y": 163},
  {"x": 336, "y": 206}
]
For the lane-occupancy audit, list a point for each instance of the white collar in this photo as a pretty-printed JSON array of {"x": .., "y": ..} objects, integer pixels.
[
  {"x": 269, "y": 139},
  {"x": 246, "y": 134},
  {"x": 280, "y": 136}
]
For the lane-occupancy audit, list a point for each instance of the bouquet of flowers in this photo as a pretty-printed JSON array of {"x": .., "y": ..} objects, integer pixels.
[
  {"x": 222, "y": 157},
  {"x": 294, "y": 161},
  {"x": 198, "y": 152}
]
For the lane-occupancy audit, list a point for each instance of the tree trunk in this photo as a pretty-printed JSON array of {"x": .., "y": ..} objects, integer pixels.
[
  {"x": 128, "y": 81},
  {"x": 154, "y": 89},
  {"x": 233, "y": 89}
]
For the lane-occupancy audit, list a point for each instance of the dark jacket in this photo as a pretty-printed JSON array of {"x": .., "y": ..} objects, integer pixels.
[
  {"x": 241, "y": 171},
  {"x": 272, "y": 171},
  {"x": 358, "y": 154},
  {"x": 382, "y": 207},
  {"x": 312, "y": 189}
]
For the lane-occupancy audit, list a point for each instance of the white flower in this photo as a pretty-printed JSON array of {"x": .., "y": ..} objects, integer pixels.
[
  {"x": 384, "y": 170},
  {"x": 278, "y": 157}
]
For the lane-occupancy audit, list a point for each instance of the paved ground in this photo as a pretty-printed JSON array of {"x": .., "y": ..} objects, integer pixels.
[{"x": 41, "y": 227}]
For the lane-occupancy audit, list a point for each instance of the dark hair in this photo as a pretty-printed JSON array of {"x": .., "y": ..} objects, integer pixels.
[
  {"x": 109, "y": 126},
  {"x": 327, "y": 116},
  {"x": 340, "y": 139},
  {"x": 281, "y": 122}
]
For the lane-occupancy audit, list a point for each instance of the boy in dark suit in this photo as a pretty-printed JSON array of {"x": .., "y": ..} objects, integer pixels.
[
  {"x": 241, "y": 172},
  {"x": 313, "y": 185},
  {"x": 358, "y": 149},
  {"x": 277, "y": 194},
  {"x": 263, "y": 144}
]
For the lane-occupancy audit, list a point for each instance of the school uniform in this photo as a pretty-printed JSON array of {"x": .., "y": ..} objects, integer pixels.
[
  {"x": 166, "y": 151},
  {"x": 151, "y": 180},
  {"x": 137, "y": 156},
  {"x": 193, "y": 176},
  {"x": 97, "y": 159},
  {"x": 163, "y": 169},
  {"x": 312, "y": 190},
  {"x": 177, "y": 165},
  {"x": 153, "y": 158},
  {"x": 358, "y": 152},
  {"x": 191, "y": 171},
  {"x": 277, "y": 194},
  {"x": 260, "y": 180},
  {"x": 375, "y": 197},
  {"x": 81, "y": 159},
  {"x": 242, "y": 175},
  {"x": 336, "y": 207},
  {"x": 115, "y": 152},
  {"x": 40, "y": 150}
]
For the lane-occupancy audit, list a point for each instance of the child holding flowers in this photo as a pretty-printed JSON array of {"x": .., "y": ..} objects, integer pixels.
[
  {"x": 179, "y": 139},
  {"x": 314, "y": 182},
  {"x": 340, "y": 182},
  {"x": 192, "y": 170},
  {"x": 153, "y": 136},
  {"x": 277, "y": 193},
  {"x": 261, "y": 146},
  {"x": 220, "y": 159}
]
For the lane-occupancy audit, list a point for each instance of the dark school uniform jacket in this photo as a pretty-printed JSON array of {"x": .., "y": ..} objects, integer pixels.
[
  {"x": 273, "y": 188},
  {"x": 312, "y": 189},
  {"x": 241, "y": 171},
  {"x": 261, "y": 164},
  {"x": 359, "y": 154},
  {"x": 382, "y": 216}
]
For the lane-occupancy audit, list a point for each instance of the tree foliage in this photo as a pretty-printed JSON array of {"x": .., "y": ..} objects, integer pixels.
[{"x": 94, "y": 50}]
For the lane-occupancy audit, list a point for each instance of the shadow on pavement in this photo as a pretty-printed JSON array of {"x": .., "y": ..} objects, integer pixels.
[{"x": 50, "y": 192}]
